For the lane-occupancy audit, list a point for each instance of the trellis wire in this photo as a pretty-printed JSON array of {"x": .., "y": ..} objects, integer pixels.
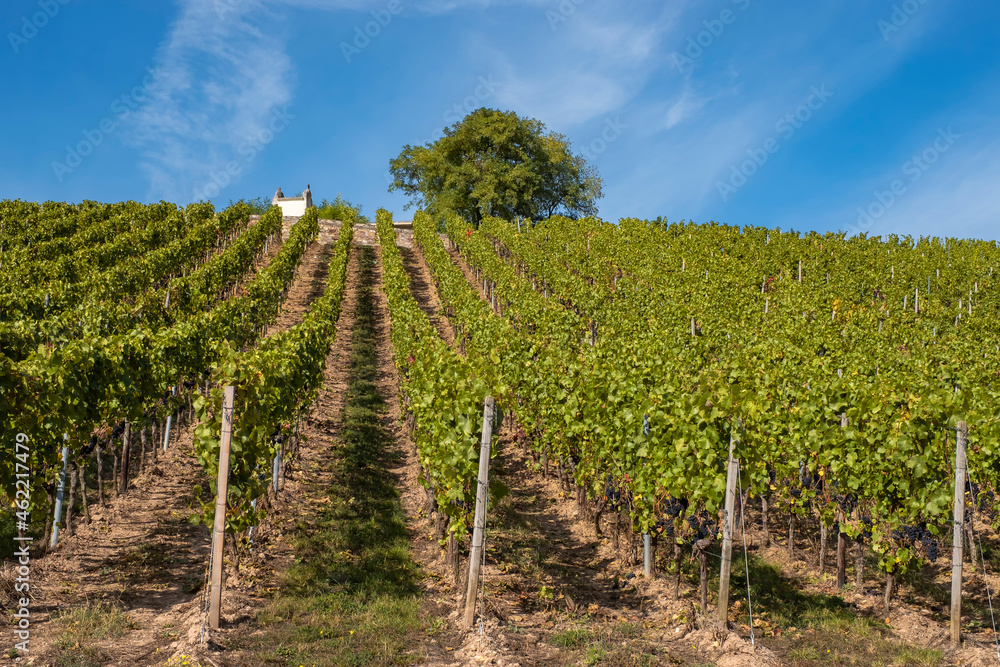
[
  {"x": 482, "y": 573},
  {"x": 208, "y": 571},
  {"x": 746, "y": 560},
  {"x": 982, "y": 559}
]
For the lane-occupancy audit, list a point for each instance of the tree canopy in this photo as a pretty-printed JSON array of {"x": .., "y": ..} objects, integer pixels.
[
  {"x": 497, "y": 163},
  {"x": 343, "y": 210}
]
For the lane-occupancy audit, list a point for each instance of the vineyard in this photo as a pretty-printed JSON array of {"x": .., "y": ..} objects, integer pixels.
[{"x": 707, "y": 440}]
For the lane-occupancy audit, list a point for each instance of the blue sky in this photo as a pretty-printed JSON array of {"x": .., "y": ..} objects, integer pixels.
[{"x": 878, "y": 116}]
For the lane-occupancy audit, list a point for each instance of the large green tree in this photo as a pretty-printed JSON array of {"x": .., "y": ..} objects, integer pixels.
[{"x": 497, "y": 163}]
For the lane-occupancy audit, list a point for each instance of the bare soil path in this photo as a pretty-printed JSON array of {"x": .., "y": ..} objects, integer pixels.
[{"x": 425, "y": 293}]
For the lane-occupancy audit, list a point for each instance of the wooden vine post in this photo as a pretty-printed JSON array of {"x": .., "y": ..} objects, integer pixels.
[
  {"x": 727, "y": 535},
  {"x": 482, "y": 496},
  {"x": 219, "y": 530},
  {"x": 959, "y": 529}
]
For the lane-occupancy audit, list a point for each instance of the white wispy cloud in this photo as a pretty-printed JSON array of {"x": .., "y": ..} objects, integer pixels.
[
  {"x": 598, "y": 59},
  {"x": 706, "y": 118},
  {"x": 223, "y": 72}
]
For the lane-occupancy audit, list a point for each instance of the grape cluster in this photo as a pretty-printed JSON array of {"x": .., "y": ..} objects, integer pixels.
[
  {"x": 985, "y": 499},
  {"x": 277, "y": 437},
  {"x": 932, "y": 547},
  {"x": 612, "y": 494},
  {"x": 617, "y": 498},
  {"x": 672, "y": 509},
  {"x": 188, "y": 384},
  {"x": 118, "y": 430},
  {"x": 914, "y": 534},
  {"x": 701, "y": 525},
  {"x": 910, "y": 533},
  {"x": 847, "y": 504},
  {"x": 675, "y": 507},
  {"x": 866, "y": 529},
  {"x": 89, "y": 448}
]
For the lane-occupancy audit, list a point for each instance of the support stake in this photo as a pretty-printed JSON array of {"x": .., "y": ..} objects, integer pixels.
[
  {"x": 60, "y": 491},
  {"x": 956, "y": 545},
  {"x": 482, "y": 496},
  {"x": 219, "y": 530},
  {"x": 727, "y": 535}
]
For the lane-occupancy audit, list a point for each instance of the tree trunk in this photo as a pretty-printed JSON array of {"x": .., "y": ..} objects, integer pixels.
[
  {"x": 677, "y": 570},
  {"x": 453, "y": 556},
  {"x": 699, "y": 549},
  {"x": 72, "y": 499},
  {"x": 841, "y": 558},
  {"x": 100, "y": 475},
  {"x": 236, "y": 553},
  {"x": 763, "y": 518},
  {"x": 890, "y": 580},
  {"x": 859, "y": 566},
  {"x": 81, "y": 471},
  {"x": 598, "y": 511},
  {"x": 126, "y": 459},
  {"x": 791, "y": 537},
  {"x": 822, "y": 546},
  {"x": 47, "y": 536},
  {"x": 439, "y": 526}
]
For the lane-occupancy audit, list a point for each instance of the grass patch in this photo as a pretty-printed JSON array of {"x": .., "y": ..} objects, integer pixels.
[
  {"x": 808, "y": 629},
  {"x": 571, "y": 638},
  {"x": 615, "y": 645},
  {"x": 94, "y": 621},
  {"x": 351, "y": 597},
  {"x": 80, "y": 627}
]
